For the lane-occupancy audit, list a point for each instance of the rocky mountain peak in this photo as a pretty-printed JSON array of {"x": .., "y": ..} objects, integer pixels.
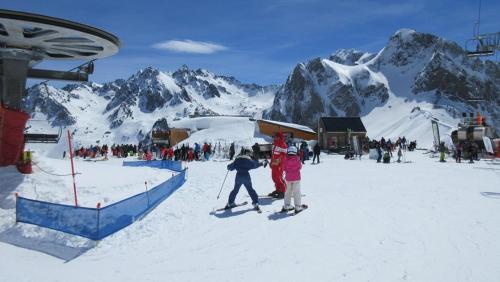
[
  {"x": 347, "y": 57},
  {"x": 413, "y": 66}
]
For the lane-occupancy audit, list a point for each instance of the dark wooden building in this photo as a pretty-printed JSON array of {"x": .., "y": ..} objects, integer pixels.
[
  {"x": 336, "y": 133},
  {"x": 169, "y": 137}
]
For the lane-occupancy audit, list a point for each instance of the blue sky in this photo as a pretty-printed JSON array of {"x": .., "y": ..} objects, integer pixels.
[{"x": 254, "y": 41}]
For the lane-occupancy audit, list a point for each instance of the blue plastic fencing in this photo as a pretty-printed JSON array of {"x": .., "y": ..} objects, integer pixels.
[
  {"x": 168, "y": 164},
  {"x": 93, "y": 223}
]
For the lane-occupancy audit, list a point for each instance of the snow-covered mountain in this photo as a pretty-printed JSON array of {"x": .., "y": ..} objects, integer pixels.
[
  {"x": 124, "y": 110},
  {"x": 415, "y": 77}
]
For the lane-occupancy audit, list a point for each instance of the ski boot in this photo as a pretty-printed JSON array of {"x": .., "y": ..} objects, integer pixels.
[
  {"x": 273, "y": 194},
  {"x": 286, "y": 209},
  {"x": 257, "y": 208},
  {"x": 229, "y": 206}
]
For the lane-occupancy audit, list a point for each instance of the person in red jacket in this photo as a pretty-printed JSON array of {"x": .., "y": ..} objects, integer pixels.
[
  {"x": 170, "y": 153},
  {"x": 190, "y": 155},
  {"x": 149, "y": 156},
  {"x": 278, "y": 155}
]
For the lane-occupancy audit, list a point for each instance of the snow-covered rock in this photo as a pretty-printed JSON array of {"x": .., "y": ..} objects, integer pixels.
[
  {"x": 413, "y": 69},
  {"x": 128, "y": 108}
]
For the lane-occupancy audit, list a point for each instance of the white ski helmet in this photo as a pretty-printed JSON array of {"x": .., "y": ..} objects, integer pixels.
[{"x": 292, "y": 150}]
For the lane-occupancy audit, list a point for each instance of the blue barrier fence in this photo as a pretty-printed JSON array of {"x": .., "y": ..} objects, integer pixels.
[
  {"x": 95, "y": 223},
  {"x": 168, "y": 164}
]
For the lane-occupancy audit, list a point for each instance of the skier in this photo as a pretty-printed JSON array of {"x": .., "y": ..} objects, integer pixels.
[
  {"x": 387, "y": 158},
  {"x": 149, "y": 156},
  {"x": 441, "y": 152},
  {"x": 277, "y": 157},
  {"x": 242, "y": 164},
  {"x": 379, "y": 152},
  {"x": 231, "y": 151},
  {"x": 256, "y": 151},
  {"x": 190, "y": 155},
  {"x": 400, "y": 154},
  {"x": 197, "y": 151},
  {"x": 470, "y": 153},
  {"x": 292, "y": 166},
  {"x": 305, "y": 151},
  {"x": 316, "y": 152},
  {"x": 458, "y": 153}
]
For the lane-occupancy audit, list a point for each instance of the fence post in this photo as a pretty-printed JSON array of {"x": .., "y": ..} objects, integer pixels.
[
  {"x": 98, "y": 220},
  {"x": 17, "y": 195},
  {"x": 147, "y": 194},
  {"x": 72, "y": 167}
]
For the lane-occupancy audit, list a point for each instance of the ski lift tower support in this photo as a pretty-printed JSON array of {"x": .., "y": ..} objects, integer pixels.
[{"x": 26, "y": 40}]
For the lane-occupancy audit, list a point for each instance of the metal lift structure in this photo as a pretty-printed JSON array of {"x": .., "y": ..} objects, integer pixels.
[
  {"x": 482, "y": 45},
  {"x": 26, "y": 40}
]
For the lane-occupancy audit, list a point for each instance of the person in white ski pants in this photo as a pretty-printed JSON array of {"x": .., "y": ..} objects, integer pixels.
[{"x": 292, "y": 166}]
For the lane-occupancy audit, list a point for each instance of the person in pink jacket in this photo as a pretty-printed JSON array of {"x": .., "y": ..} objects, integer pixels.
[{"x": 292, "y": 166}]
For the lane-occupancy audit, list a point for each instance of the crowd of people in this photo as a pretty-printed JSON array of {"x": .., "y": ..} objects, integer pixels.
[
  {"x": 90, "y": 152},
  {"x": 186, "y": 152},
  {"x": 385, "y": 148},
  {"x": 469, "y": 150}
]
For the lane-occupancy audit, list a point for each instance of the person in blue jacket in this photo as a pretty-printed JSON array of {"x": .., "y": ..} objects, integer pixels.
[{"x": 242, "y": 164}]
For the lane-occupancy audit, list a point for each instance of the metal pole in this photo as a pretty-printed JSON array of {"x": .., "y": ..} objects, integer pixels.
[
  {"x": 222, "y": 184},
  {"x": 72, "y": 167},
  {"x": 147, "y": 195},
  {"x": 98, "y": 220}
]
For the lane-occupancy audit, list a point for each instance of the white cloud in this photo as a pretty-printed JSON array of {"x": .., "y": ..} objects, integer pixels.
[{"x": 190, "y": 46}]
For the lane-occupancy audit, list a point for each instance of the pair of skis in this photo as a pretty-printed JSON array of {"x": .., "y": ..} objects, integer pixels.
[
  {"x": 256, "y": 208},
  {"x": 295, "y": 212}
]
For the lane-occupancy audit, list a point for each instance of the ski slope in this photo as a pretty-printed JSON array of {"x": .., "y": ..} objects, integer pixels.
[{"x": 416, "y": 221}]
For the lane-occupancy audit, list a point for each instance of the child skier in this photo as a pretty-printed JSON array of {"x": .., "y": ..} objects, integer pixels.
[
  {"x": 400, "y": 154},
  {"x": 292, "y": 166},
  {"x": 242, "y": 164}
]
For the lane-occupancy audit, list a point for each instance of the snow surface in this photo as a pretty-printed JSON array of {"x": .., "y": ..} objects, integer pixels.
[{"x": 416, "y": 221}]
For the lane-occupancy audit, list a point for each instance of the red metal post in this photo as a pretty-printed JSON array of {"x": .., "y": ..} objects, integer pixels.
[{"x": 72, "y": 167}]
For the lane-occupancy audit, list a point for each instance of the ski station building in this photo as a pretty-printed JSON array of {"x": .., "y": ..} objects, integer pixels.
[
  {"x": 335, "y": 133},
  {"x": 170, "y": 137}
]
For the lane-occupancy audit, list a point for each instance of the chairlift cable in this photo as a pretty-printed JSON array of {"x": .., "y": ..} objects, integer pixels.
[{"x": 479, "y": 18}]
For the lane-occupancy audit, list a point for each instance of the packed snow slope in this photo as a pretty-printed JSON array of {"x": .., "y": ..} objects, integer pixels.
[{"x": 416, "y": 221}]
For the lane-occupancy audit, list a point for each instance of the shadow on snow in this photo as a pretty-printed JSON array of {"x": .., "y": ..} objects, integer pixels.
[
  {"x": 53, "y": 244},
  {"x": 495, "y": 195}
]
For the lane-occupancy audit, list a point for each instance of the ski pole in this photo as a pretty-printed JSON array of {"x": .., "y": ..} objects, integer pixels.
[{"x": 222, "y": 184}]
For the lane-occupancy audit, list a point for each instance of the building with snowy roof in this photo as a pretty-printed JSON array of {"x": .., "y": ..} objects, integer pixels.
[{"x": 290, "y": 130}]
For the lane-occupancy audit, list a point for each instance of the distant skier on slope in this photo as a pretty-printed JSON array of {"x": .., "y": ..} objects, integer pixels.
[
  {"x": 231, "y": 151},
  {"x": 292, "y": 166},
  {"x": 278, "y": 154},
  {"x": 316, "y": 152},
  {"x": 242, "y": 164}
]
